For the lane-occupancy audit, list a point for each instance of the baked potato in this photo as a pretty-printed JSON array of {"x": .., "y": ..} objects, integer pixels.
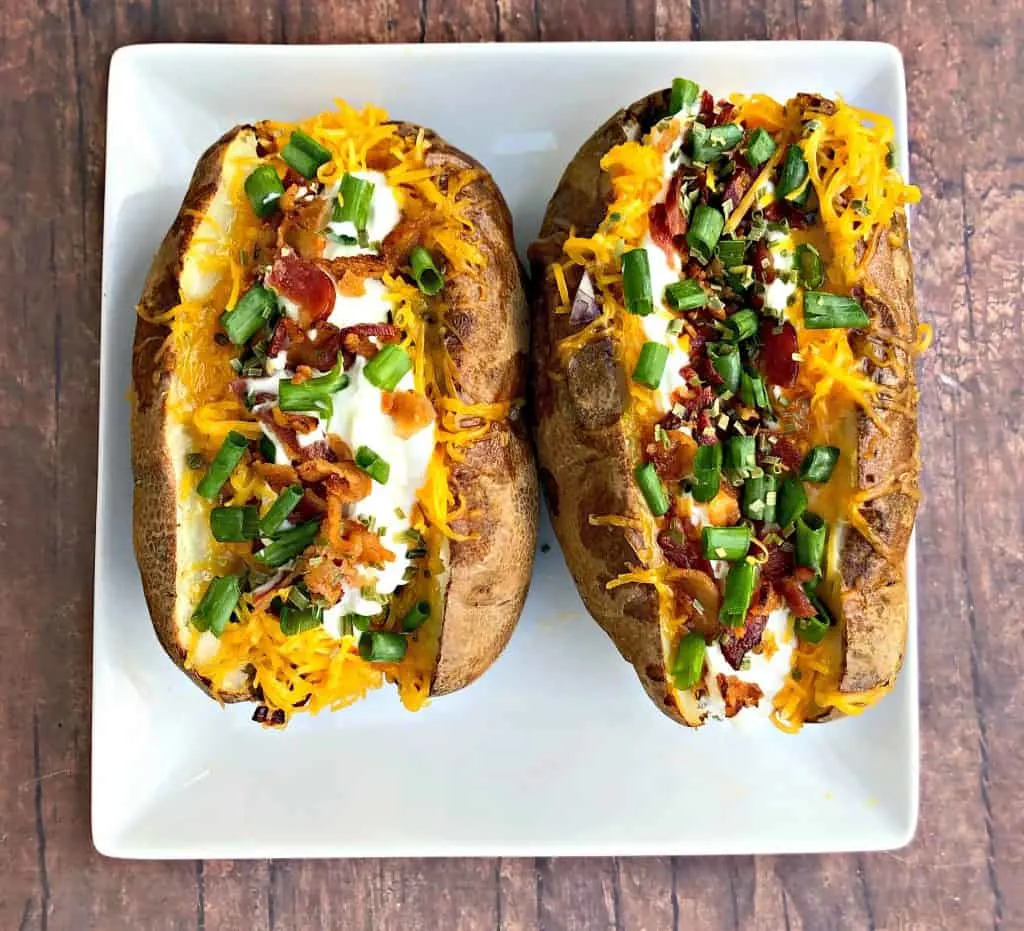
[
  {"x": 724, "y": 333},
  {"x": 333, "y": 483}
]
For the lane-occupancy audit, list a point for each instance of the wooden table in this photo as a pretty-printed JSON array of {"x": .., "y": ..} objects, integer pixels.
[{"x": 965, "y": 870}]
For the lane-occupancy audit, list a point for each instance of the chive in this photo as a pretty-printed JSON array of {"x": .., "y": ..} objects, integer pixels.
[
  {"x": 811, "y": 531},
  {"x": 356, "y": 196},
  {"x": 314, "y": 394},
  {"x": 794, "y": 171},
  {"x": 741, "y": 454},
  {"x": 650, "y": 366},
  {"x": 725, "y": 358},
  {"x": 760, "y": 148},
  {"x": 685, "y": 295},
  {"x": 381, "y": 646},
  {"x": 731, "y": 252},
  {"x": 739, "y": 590},
  {"x": 708, "y": 144},
  {"x": 278, "y": 512},
  {"x": 288, "y": 544},
  {"x": 771, "y": 491},
  {"x": 809, "y": 264},
  {"x": 824, "y": 311},
  {"x": 416, "y": 616},
  {"x": 195, "y": 461},
  {"x": 753, "y": 392},
  {"x": 217, "y": 604},
  {"x": 296, "y": 620},
  {"x": 228, "y": 456},
  {"x": 386, "y": 369},
  {"x": 264, "y": 189},
  {"x": 728, "y": 543},
  {"x": 742, "y": 325},
  {"x": 636, "y": 282},
  {"x": 688, "y": 663},
  {"x": 235, "y": 524},
  {"x": 304, "y": 154},
  {"x": 252, "y": 310},
  {"x": 819, "y": 464},
  {"x": 684, "y": 95},
  {"x": 268, "y": 450},
  {"x": 428, "y": 278},
  {"x": 753, "y": 504},
  {"x": 791, "y": 502},
  {"x": 652, "y": 488},
  {"x": 707, "y": 472},
  {"x": 705, "y": 228},
  {"x": 378, "y": 469}
]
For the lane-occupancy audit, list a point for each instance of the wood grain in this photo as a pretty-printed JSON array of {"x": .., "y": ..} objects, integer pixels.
[{"x": 965, "y": 868}]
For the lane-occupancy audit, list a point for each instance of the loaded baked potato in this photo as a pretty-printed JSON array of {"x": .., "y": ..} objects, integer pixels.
[
  {"x": 332, "y": 483},
  {"x": 724, "y": 333}
]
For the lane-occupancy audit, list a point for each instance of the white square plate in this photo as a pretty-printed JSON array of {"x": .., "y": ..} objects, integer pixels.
[{"x": 557, "y": 750}]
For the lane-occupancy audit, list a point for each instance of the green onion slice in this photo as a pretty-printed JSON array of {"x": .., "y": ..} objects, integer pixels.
[
  {"x": 771, "y": 493},
  {"x": 416, "y": 616},
  {"x": 688, "y": 663},
  {"x": 707, "y": 472},
  {"x": 725, "y": 357},
  {"x": 739, "y": 590},
  {"x": 684, "y": 95},
  {"x": 235, "y": 524},
  {"x": 288, "y": 544},
  {"x": 731, "y": 252},
  {"x": 742, "y": 325},
  {"x": 252, "y": 310},
  {"x": 264, "y": 189},
  {"x": 753, "y": 392},
  {"x": 295, "y": 620},
  {"x": 794, "y": 171},
  {"x": 753, "y": 503},
  {"x": 217, "y": 604},
  {"x": 760, "y": 148},
  {"x": 381, "y": 646},
  {"x": 356, "y": 196},
  {"x": 810, "y": 266},
  {"x": 278, "y": 512},
  {"x": 810, "y": 629},
  {"x": 819, "y": 464},
  {"x": 304, "y": 154},
  {"x": 650, "y": 365},
  {"x": 386, "y": 369},
  {"x": 652, "y": 488},
  {"x": 705, "y": 228},
  {"x": 636, "y": 282},
  {"x": 228, "y": 456},
  {"x": 428, "y": 278},
  {"x": 685, "y": 295},
  {"x": 791, "y": 502},
  {"x": 378, "y": 469},
  {"x": 811, "y": 531},
  {"x": 728, "y": 543},
  {"x": 741, "y": 454},
  {"x": 314, "y": 394},
  {"x": 707, "y": 144},
  {"x": 824, "y": 311}
]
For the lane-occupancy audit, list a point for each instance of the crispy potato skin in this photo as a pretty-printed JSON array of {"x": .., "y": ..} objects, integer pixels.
[
  {"x": 586, "y": 448},
  {"x": 486, "y": 333}
]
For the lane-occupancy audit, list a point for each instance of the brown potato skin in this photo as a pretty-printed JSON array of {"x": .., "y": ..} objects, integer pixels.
[
  {"x": 486, "y": 333},
  {"x": 586, "y": 453}
]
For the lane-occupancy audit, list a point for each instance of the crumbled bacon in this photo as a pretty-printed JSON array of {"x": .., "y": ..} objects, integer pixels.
[
  {"x": 303, "y": 282},
  {"x": 705, "y": 432},
  {"x": 683, "y": 553},
  {"x": 276, "y": 475},
  {"x": 783, "y": 210},
  {"x": 739, "y": 183},
  {"x": 674, "y": 462},
  {"x": 788, "y": 454},
  {"x": 320, "y": 353},
  {"x": 736, "y": 645},
  {"x": 725, "y": 112},
  {"x": 764, "y": 264},
  {"x": 359, "y": 339},
  {"x": 738, "y": 694},
  {"x": 778, "y": 346},
  {"x": 779, "y": 563},
  {"x": 300, "y": 423},
  {"x": 707, "y": 108},
  {"x": 796, "y": 598},
  {"x": 344, "y": 480},
  {"x": 410, "y": 411}
]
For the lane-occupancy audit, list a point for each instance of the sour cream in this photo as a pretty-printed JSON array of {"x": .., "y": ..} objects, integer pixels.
[{"x": 384, "y": 215}]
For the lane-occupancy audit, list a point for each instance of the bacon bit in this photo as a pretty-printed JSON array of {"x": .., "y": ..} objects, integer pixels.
[
  {"x": 705, "y": 431},
  {"x": 306, "y": 284},
  {"x": 363, "y": 545},
  {"x": 300, "y": 423},
  {"x": 788, "y": 453},
  {"x": 344, "y": 480},
  {"x": 796, "y": 598},
  {"x": 779, "y": 210},
  {"x": 668, "y": 223},
  {"x": 358, "y": 339},
  {"x": 683, "y": 553},
  {"x": 320, "y": 353},
  {"x": 803, "y": 574},
  {"x": 778, "y": 346},
  {"x": 303, "y": 373},
  {"x": 738, "y": 694},
  {"x": 341, "y": 451},
  {"x": 410, "y": 411},
  {"x": 725, "y": 112},
  {"x": 778, "y": 565},
  {"x": 707, "y": 108},
  {"x": 739, "y": 183},
  {"x": 275, "y": 475},
  {"x": 351, "y": 284},
  {"x": 671, "y": 421},
  {"x": 764, "y": 264},
  {"x": 279, "y": 340},
  {"x": 285, "y": 436},
  {"x": 326, "y": 580},
  {"x": 316, "y": 450},
  {"x": 362, "y": 266},
  {"x": 735, "y": 645},
  {"x": 311, "y": 505},
  {"x": 700, "y": 401},
  {"x": 676, "y": 462},
  {"x": 723, "y": 511}
]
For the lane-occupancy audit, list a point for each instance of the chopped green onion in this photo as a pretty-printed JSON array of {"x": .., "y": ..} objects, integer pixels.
[
  {"x": 754, "y": 497},
  {"x": 268, "y": 450},
  {"x": 824, "y": 311},
  {"x": 386, "y": 369},
  {"x": 705, "y": 228},
  {"x": 811, "y": 531},
  {"x": 725, "y": 357},
  {"x": 742, "y": 324},
  {"x": 264, "y": 189},
  {"x": 731, "y": 252},
  {"x": 296, "y": 620},
  {"x": 684, "y": 95},
  {"x": 378, "y": 469},
  {"x": 685, "y": 295},
  {"x": 739, "y": 589},
  {"x": 652, "y": 489},
  {"x": 360, "y": 622},
  {"x": 356, "y": 196},
  {"x": 428, "y": 277},
  {"x": 741, "y": 454},
  {"x": 636, "y": 282},
  {"x": 791, "y": 502},
  {"x": 810, "y": 266},
  {"x": 794, "y": 171},
  {"x": 195, "y": 461},
  {"x": 381, "y": 646},
  {"x": 728, "y": 543},
  {"x": 304, "y": 154},
  {"x": 707, "y": 472},
  {"x": 235, "y": 524},
  {"x": 753, "y": 392},
  {"x": 218, "y": 604},
  {"x": 707, "y": 144},
  {"x": 819, "y": 464},
  {"x": 288, "y": 544},
  {"x": 416, "y": 616},
  {"x": 314, "y": 394},
  {"x": 810, "y": 629},
  {"x": 760, "y": 148},
  {"x": 228, "y": 456},
  {"x": 688, "y": 663},
  {"x": 252, "y": 310},
  {"x": 771, "y": 493},
  {"x": 650, "y": 366},
  {"x": 278, "y": 512}
]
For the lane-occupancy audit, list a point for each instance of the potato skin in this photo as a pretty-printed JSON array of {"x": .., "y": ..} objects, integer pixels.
[
  {"x": 486, "y": 334},
  {"x": 586, "y": 455}
]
